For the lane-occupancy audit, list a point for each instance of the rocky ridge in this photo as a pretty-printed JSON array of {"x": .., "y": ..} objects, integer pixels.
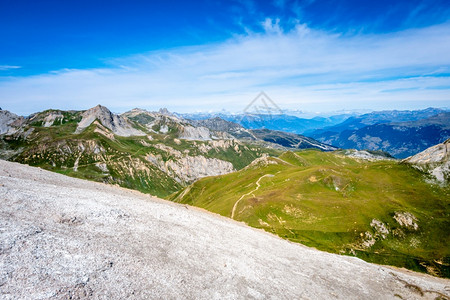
[
  {"x": 366, "y": 155},
  {"x": 9, "y": 122},
  {"x": 434, "y": 160},
  {"x": 151, "y": 151},
  {"x": 117, "y": 124},
  {"x": 290, "y": 140}
]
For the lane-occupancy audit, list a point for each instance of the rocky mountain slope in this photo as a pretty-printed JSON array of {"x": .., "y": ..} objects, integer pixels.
[
  {"x": 117, "y": 124},
  {"x": 401, "y": 139},
  {"x": 290, "y": 140},
  {"x": 164, "y": 122},
  {"x": 351, "y": 202},
  {"x": 274, "y": 137},
  {"x": 9, "y": 122},
  {"x": 434, "y": 161},
  {"x": 280, "y": 122},
  {"x": 64, "y": 238},
  {"x": 154, "y": 152}
]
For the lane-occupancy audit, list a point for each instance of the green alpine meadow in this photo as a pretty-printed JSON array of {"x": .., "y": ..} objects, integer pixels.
[{"x": 383, "y": 211}]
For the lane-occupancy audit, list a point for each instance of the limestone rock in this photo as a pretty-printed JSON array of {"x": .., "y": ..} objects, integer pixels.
[
  {"x": 65, "y": 238},
  {"x": 434, "y": 160},
  {"x": 117, "y": 124},
  {"x": 9, "y": 122}
]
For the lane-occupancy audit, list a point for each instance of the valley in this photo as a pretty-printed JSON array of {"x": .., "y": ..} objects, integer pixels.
[
  {"x": 361, "y": 203},
  {"x": 381, "y": 210}
]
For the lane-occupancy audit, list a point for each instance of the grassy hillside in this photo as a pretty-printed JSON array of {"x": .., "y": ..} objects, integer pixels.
[{"x": 383, "y": 211}]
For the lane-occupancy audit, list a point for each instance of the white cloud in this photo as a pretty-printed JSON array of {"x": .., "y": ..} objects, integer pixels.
[
  {"x": 7, "y": 67},
  {"x": 303, "y": 68},
  {"x": 272, "y": 26}
]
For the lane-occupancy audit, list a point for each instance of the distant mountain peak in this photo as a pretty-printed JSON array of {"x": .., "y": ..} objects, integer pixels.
[
  {"x": 117, "y": 124},
  {"x": 165, "y": 111}
]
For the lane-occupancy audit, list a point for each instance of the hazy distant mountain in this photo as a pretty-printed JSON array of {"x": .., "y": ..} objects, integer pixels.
[
  {"x": 379, "y": 117},
  {"x": 284, "y": 139},
  {"x": 401, "y": 139},
  {"x": 319, "y": 124},
  {"x": 217, "y": 123},
  {"x": 281, "y": 122},
  {"x": 379, "y": 130},
  {"x": 290, "y": 140}
]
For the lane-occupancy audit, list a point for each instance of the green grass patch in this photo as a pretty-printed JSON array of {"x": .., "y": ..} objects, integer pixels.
[{"x": 328, "y": 201}]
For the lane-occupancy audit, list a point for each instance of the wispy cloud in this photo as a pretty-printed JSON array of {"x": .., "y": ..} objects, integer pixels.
[
  {"x": 272, "y": 26},
  {"x": 303, "y": 68},
  {"x": 7, "y": 67}
]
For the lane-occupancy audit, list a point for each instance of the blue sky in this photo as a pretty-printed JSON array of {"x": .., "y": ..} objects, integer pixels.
[{"x": 211, "y": 55}]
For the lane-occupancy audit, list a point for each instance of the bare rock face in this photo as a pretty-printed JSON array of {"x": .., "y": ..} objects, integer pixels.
[
  {"x": 117, "y": 124},
  {"x": 9, "y": 122},
  {"x": 380, "y": 228},
  {"x": 364, "y": 155},
  {"x": 65, "y": 238},
  {"x": 261, "y": 162},
  {"x": 195, "y": 133},
  {"x": 191, "y": 168},
  {"x": 406, "y": 219},
  {"x": 436, "y": 154},
  {"x": 434, "y": 160},
  {"x": 185, "y": 168},
  {"x": 50, "y": 119}
]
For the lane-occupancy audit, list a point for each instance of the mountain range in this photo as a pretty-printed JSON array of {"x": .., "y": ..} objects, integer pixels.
[
  {"x": 155, "y": 152},
  {"x": 280, "y": 121},
  {"x": 402, "y": 136},
  {"x": 363, "y": 203},
  {"x": 400, "y": 133}
]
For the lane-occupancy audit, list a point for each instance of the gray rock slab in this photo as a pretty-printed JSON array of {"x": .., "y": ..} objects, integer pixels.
[{"x": 63, "y": 238}]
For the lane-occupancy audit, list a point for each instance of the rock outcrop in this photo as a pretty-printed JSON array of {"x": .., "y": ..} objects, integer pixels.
[
  {"x": 50, "y": 119},
  {"x": 117, "y": 124},
  {"x": 195, "y": 133},
  {"x": 185, "y": 168},
  {"x": 9, "y": 122},
  {"x": 366, "y": 155},
  {"x": 434, "y": 160}
]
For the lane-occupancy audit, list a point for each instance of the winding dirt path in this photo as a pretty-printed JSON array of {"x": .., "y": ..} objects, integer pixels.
[{"x": 252, "y": 191}]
